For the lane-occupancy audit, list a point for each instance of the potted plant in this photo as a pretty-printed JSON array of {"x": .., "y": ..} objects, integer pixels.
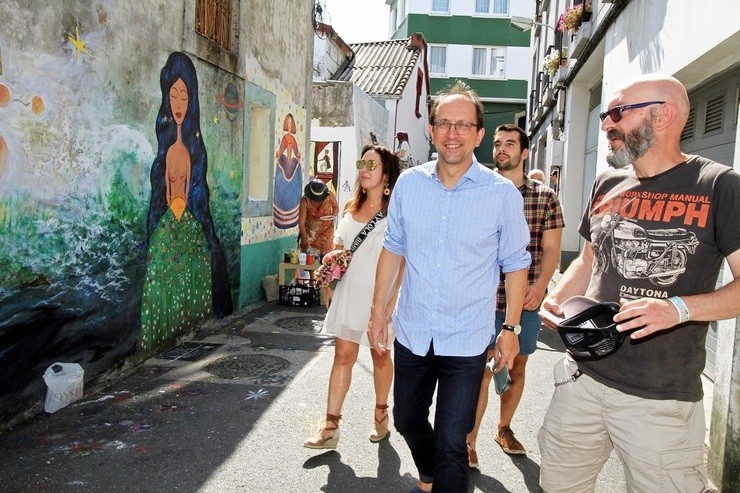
[
  {"x": 571, "y": 19},
  {"x": 554, "y": 60}
]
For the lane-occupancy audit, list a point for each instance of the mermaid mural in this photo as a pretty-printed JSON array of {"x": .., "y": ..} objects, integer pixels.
[
  {"x": 186, "y": 281},
  {"x": 288, "y": 178}
]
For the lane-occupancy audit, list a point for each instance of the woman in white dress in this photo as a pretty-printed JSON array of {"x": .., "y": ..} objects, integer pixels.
[{"x": 349, "y": 303}]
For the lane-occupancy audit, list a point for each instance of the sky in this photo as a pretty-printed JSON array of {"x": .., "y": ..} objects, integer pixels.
[{"x": 357, "y": 21}]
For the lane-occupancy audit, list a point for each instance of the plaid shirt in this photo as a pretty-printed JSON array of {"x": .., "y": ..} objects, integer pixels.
[{"x": 543, "y": 212}]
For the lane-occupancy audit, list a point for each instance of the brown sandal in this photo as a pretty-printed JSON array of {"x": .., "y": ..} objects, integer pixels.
[
  {"x": 324, "y": 439},
  {"x": 380, "y": 429}
]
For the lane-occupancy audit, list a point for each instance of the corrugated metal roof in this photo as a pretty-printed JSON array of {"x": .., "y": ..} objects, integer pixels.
[{"x": 381, "y": 68}]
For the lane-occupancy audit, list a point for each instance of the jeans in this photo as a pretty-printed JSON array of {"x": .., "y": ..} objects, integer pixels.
[{"x": 440, "y": 453}]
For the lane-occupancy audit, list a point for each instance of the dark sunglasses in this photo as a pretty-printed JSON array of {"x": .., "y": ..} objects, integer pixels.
[
  {"x": 592, "y": 334},
  {"x": 369, "y": 164},
  {"x": 616, "y": 113}
]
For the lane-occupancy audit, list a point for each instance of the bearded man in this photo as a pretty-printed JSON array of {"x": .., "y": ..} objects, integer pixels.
[{"x": 644, "y": 399}]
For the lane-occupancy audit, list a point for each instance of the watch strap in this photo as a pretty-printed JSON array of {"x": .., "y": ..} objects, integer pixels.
[{"x": 516, "y": 329}]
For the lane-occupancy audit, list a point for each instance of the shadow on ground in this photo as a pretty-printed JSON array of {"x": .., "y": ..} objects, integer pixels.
[
  {"x": 172, "y": 422},
  {"x": 342, "y": 478}
]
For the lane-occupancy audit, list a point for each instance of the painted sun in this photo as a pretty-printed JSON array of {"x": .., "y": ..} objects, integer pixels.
[
  {"x": 3, "y": 154},
  {"x": 4, "y": 95},
  {"x": 37, "y": 105}
]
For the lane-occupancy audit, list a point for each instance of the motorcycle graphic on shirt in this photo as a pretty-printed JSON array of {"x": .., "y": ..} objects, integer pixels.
[{"x": 659, "y": 255}]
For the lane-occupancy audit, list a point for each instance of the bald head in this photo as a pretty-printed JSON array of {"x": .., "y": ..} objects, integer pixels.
[
  {"x": 658, "y": 87},
  {"x": 649, "y": 136},
  {"x": 537, "y": 174}
]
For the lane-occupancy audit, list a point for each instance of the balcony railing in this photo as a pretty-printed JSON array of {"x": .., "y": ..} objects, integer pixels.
[{"x": 580, "y": 39}]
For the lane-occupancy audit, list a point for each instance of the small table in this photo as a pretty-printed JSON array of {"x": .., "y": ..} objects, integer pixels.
[{"x": 283, "y": 266}]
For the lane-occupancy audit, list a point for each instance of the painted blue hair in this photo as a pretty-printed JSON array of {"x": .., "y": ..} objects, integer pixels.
[{"x": 180, "y": 66}]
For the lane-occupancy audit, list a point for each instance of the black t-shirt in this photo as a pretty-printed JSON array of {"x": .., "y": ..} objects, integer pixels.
[{"x": 659, "y": 237}]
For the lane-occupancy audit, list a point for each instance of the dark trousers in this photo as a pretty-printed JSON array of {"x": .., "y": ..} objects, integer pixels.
[{"x": 440, "y": 453}]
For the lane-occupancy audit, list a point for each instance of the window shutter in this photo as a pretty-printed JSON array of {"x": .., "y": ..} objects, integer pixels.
[
  {"x": 714, "y": 115},
  {"x": 690, "y": 128}
]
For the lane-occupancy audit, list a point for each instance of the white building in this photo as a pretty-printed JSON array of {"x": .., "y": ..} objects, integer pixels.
[
  {"x": 473, "y": 41},
  {"x": 696, "y": 42},
  {"x": 376, "y": 92}
]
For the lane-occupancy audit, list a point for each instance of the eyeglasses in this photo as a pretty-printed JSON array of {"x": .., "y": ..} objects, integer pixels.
[
  {"x": 369, "y": 164},
  {"x": 463, "y": 128},
  {"x": 616, "y": 113}
]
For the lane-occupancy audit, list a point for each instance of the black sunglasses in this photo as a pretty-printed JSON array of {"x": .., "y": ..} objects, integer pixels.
[{"x": 616, "y": 113}]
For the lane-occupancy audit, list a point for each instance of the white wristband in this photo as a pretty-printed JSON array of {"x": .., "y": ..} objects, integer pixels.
[{"x": 681, "y": 308}]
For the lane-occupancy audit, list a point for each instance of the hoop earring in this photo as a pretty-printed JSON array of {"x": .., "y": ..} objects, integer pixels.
[
  {"x": 364, "y": 191},
  {"x": 386, "y": 190}
]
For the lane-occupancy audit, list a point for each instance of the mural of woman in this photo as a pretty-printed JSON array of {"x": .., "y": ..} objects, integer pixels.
[
  {"x": 186, "y": 280},
  {"x": 288, "y": 178}
]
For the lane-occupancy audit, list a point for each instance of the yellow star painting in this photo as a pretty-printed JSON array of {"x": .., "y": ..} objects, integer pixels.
[{"x": 79, "y": 44}]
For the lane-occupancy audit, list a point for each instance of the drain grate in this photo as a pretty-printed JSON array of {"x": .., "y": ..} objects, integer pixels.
[
  {"x": 247, "y": 366},
  {"x": 189, "y": 351},
  {"x": 300, "y": 324}
]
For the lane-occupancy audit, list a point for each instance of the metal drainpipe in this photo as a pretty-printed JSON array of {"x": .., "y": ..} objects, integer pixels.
[{"x": 395, "y": 125}]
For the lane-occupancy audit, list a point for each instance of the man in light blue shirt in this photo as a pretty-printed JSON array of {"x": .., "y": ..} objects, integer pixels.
[{"x": 453, "y": 225}]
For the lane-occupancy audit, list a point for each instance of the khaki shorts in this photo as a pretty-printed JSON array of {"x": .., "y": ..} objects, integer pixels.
[{"x": 660, "y": 442}]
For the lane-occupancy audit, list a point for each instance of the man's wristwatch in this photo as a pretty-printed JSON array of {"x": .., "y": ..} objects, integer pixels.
[{"x": 516, "y": 329}]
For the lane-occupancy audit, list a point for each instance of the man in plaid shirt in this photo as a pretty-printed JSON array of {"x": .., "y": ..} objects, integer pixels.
[{"x": 545, "y": 219}]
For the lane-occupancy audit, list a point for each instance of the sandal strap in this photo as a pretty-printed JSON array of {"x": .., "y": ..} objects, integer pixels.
[
  {"x": 382, "y": 407},
  {"x": 333, "y": 418}
]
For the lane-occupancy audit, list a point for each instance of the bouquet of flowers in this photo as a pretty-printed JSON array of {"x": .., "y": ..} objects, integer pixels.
[{"x": 333, "y": 266}]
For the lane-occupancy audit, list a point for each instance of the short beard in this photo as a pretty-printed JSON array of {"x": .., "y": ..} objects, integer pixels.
[
  {"x": 506, "y": 165},
  {"x": 636, "y": 144}
]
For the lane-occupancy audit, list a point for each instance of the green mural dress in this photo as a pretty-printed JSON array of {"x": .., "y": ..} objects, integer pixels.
[{"x": 177, "y": 287}]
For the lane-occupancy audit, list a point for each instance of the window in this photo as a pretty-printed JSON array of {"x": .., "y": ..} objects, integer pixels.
[
  {"x": 438, "y": 60},
  {"x": 501, "y": 7},
  {"x": 213, "y": 21},
  {"x": 209, "y": 31},
  {"x": 401, "y": 10},
  {"x": 259, "y": 149},
  {"x": 489, "y": 62},
  {"x": 496, "y": 7},
  {"x": 259, "y": 154},
  {"x": 441, "y": 6}
]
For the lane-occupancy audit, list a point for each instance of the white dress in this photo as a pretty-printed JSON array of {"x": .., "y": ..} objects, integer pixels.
[{"x": 350, "y": 307}]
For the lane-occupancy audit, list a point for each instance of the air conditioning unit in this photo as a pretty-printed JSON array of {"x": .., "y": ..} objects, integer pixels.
[{"x": 555, "y": 152}]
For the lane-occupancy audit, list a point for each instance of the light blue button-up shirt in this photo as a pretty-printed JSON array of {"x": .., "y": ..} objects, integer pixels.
[{"x": 454, "y": 242}]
